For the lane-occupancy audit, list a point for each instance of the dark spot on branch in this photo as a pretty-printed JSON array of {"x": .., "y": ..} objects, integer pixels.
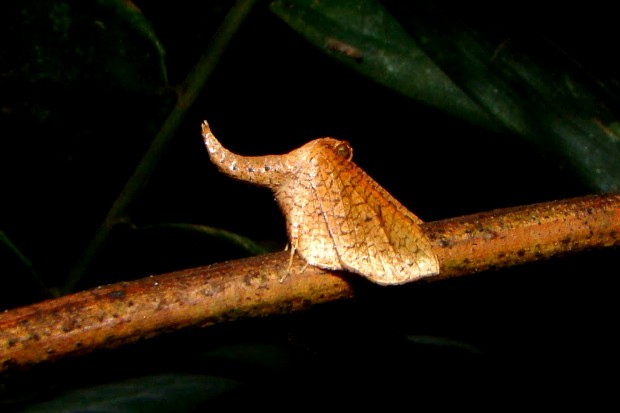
[{"x": 116, "y": 294}]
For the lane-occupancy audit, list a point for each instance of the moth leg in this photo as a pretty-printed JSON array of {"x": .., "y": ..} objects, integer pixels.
[
  {"x": 290, "y": 261},
  {"x": 304, "y": 267}
]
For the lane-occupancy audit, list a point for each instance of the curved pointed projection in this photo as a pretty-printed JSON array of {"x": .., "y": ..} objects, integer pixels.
[{"x": 337, "y": 217}]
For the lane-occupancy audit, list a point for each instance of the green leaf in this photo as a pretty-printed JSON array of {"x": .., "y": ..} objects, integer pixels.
[
  {"x": 240, "y": 241},
  {"x": 530, "y": 86},
  {"x": 363, "y": 36},
  {"x": 67, "y": 42},
  {"x": 158, "y": 393},
  {"x": 6, "y": 241},
  {"x": 15, "y": 251},
  {"x": 518, "y": 84}
]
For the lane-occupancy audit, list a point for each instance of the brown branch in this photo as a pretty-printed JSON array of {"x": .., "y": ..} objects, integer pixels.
[{"x": 125, "y": 312}]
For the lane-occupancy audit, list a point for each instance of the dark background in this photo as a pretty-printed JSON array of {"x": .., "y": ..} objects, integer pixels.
[{"x": 73, "y": 130}]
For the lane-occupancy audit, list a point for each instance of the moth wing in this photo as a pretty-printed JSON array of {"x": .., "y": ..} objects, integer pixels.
[
  {"x": 374, "y": 235},
  {"x": 306, "y": 226}
]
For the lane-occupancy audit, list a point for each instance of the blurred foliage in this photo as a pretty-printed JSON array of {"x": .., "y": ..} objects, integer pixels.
[
  {"x": 84, "y": 87},
  {"x": 104, "y": 42},
  {"x": 366, "y": 38},
  {"x": 517, "y": 81},
  {"x": 244, "y": 243},
  {"x": 154, "y": 393}
]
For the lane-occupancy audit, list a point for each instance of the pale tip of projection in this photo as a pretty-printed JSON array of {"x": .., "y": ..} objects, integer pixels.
[{"x": 209, "y": 139}]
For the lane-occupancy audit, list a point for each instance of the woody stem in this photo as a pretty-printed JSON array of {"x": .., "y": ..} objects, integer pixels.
[{"x": 126, "y": 312}]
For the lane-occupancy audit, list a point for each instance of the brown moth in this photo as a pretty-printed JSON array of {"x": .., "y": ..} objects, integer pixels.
[{"x": 337, "y": 217}]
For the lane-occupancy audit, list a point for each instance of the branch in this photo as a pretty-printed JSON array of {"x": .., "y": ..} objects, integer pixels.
[{"x": 125, "y": 312}]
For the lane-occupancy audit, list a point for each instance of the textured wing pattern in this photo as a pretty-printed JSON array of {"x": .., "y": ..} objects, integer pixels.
[
  {"x": 373, "y": 234},
  {"x": 337, "y": 216}
]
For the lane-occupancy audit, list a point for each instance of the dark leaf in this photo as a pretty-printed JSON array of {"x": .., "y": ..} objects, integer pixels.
[{"x": 515, "y": 80}]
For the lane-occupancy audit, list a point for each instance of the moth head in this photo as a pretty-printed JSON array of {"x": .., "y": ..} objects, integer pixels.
[
  {"x": 340, "y": 150},
  {"x": 316, "y": 152},
  {"x": 344, "y": 150}
]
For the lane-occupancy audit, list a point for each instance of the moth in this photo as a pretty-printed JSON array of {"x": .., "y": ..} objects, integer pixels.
[{"x": 337, "y": 217}]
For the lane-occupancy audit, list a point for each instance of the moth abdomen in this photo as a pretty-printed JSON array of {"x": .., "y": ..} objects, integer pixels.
[{"x": 265, "y": 170}]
